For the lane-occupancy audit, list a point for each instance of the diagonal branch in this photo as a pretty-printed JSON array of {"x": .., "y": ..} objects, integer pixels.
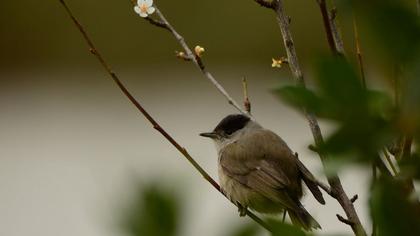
[
  {"x": 336, "y": 187},
  {"x": 198, "y": 62},
  {"x": 190, "y": 56},
  {"x": 143, "y": 111},
  {"x": 331, "y": 29},
  {"x": 267, "y": 3}
]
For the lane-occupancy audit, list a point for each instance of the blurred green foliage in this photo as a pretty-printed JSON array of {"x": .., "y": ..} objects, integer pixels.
[
  {"x": 245, "y": 230},
  {"x": 365, "y": 117},
  {"x": 154, "y": 212},
  {"x": 280, "y": 228},
  {"x": 394, "y": 212}
]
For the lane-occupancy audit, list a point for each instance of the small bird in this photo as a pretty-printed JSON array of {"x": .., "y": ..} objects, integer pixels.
[{"x": 258, "y": 170}]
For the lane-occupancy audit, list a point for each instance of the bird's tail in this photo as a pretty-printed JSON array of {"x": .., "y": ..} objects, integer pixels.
[{"x": 303, "y": 219}]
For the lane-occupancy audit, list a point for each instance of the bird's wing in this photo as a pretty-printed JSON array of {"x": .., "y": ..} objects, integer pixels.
[
  {"x": 284, "y": 157},
  {"x": 260, "y": 174},
  {"x": 310, "y": 181}
]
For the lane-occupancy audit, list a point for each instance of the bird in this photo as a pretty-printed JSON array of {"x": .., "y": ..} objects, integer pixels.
[{"x": 259, "y": 171}]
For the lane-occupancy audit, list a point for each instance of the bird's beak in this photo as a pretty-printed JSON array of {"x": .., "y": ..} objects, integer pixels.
[{"x": 212, "y": 135}]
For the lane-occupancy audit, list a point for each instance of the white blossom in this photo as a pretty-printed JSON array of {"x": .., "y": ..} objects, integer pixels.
[{"x": 144, "y": 8}]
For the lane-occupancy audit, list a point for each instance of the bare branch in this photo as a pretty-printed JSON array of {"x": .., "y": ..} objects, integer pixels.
[
  {"x": 390, "y": 163},
  {"x": 267, "y": 3},
  {"x": 143, "y": 111},
  {"x": 354, "y": 198},
  {"x": 198, "y": 61},
  {"x": 247, "y": 103},
  {"x": 334, "y": 181},
  {"x": 344, "y": 220},
  {"x": 157, "y": 23},
  {"x": 331, "y": 29},
  {"x": 313, "y": 148},
  {"x": 406, "y": 148},
  {"x": 374, "y": 179},
  {"x": 359, "y": 52},
  {"x": 164, "y": 23},
  {"x": 326, "y": 188}
]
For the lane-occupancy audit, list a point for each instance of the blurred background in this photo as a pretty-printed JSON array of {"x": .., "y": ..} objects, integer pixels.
[{"x": 74, "y": 151}]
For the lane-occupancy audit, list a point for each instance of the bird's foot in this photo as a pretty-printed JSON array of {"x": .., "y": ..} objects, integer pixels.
[{"x": 242, "y": 211}]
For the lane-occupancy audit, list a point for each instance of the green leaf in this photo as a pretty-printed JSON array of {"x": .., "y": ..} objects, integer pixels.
[
  {"x": 246, "y": 230},
  {"x": 358, "y": 139},
  {"x": 281, "y": 229},
  {"x": 153, "y": 213},
  {"x": 395, "y": 212},
  {"x": 300, "y": 97},
  {"x": 338, "y": 81},
  {"x": 393, "y": 26}
]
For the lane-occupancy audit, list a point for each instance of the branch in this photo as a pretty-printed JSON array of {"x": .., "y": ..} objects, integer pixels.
[
  {"x": 344, "y": 220},
  {"x": 189, "y": 55},
  {"x": 354, "y": 198},
  {"x": 157, "y": 23},
  {"x": 374, "y": 181},
  {"x": 334, "y": 181},
  {"x": 359, "y": 52},
  {"x": 271, "y": 4},
  {"x": 331, "y": 29},
  {"x": 247, "y": 103},
  {"x": 326, "y": 188},
  {"x": 143, "y": 111},
  {"x": 390, "y": 163}
]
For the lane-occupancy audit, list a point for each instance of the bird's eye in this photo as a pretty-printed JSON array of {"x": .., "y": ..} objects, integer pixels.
[{"x": 229, "y": 132}]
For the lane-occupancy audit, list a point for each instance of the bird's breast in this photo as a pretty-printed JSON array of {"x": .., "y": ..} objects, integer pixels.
[{"x": 233, "y": 189}]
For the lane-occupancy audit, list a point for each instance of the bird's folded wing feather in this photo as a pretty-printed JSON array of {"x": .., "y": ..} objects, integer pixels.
[
  {"x": 259, "y": 175},
  {"x": 310, "y": 181}
]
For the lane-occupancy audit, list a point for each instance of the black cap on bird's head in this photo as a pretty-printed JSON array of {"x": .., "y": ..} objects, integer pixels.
[{"x": 229, "y": 125}]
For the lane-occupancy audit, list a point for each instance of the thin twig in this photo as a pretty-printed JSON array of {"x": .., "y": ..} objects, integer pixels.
[
  {"x": 326, "y": 188},
  {"x": 157, "y": 23},
  {"x": 154, "y": 123},
  {"x": 381, "y": 166},
  {"x": 406, "y": 150},
  {"x": 331, "y": 29},
  {"x": 284, "y": 216},
  {"x": 271, "y": 4},
  {"x": 338, "y": 39},
  {"x": 164, "y": 23},
  {"x": 354, "y": 198},
  {"x": 364, "y": 85},
  {"x": 374, "y": 179},
  {"x": 344, "y": 220},
  {"x": 359, "y": 52},
  {"x": 247, "y": 103},
  {"x": 405, "y": 155},
  {"x": 198, "y": 62},
  {"x": 389, "y": 161},
  {"x": 334, "y": 181}
]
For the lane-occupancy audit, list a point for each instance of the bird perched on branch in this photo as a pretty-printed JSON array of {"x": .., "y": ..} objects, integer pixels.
[{"x": 258, "y": 170}]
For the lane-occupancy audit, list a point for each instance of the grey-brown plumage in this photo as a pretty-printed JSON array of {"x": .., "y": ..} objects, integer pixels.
[{"x": 258, "y": 170}]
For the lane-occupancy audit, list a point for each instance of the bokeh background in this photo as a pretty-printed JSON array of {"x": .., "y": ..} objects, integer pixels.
[{"x": 73, "y": 150}]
